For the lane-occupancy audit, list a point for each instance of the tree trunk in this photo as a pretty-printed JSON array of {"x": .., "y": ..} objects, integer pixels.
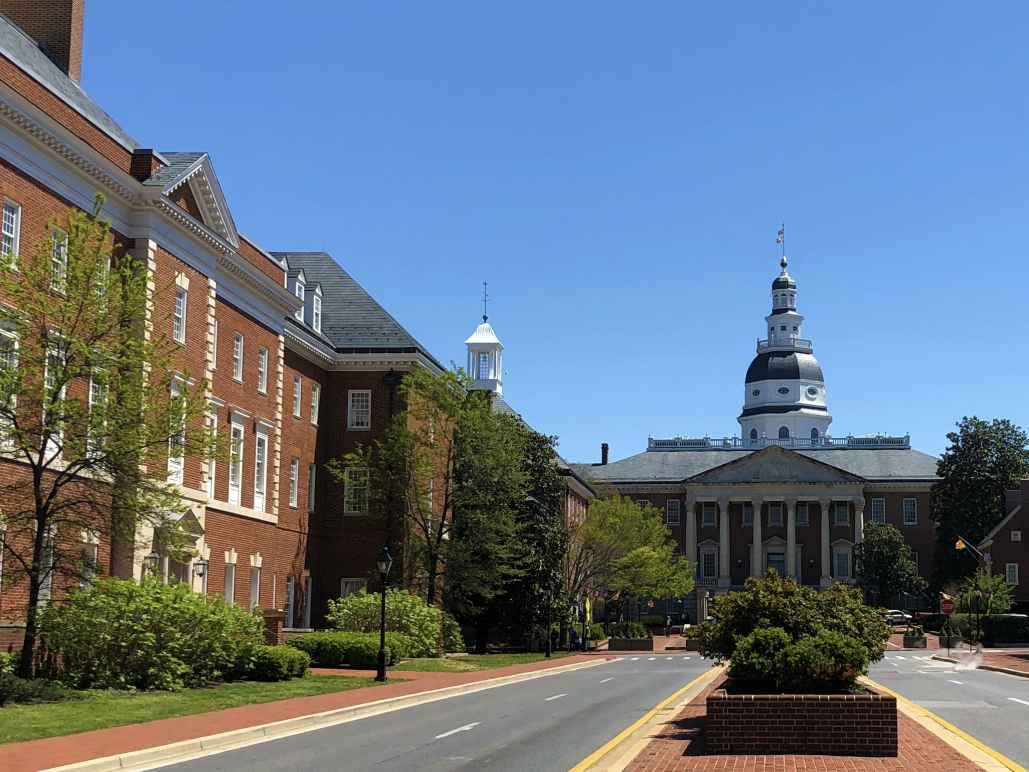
[
  {"x": 28, "y": 647},
  {"x": 481, "y": 635}
]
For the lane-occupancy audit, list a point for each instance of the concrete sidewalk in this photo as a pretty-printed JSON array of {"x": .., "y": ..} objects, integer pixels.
[{"x": 69, "y": 749}]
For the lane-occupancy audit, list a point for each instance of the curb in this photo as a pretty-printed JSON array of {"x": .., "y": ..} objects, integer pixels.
[
  {"x": 994, "y": 668},
  {"x": 618, "y": 752},
  {"x": 185, "y": 750}
]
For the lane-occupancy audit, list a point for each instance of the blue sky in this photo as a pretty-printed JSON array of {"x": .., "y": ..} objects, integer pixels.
[{"x": 617, "y": 172}]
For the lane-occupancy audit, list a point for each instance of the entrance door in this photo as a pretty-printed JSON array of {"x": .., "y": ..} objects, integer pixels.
[{"x": 777, "y": 560}]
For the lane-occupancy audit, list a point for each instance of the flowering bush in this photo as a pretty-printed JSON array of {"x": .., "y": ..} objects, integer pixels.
[{"x": 405, "y": 613}]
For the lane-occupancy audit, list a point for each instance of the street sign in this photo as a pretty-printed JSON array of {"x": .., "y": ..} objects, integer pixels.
[{"x": 947, "y": 606}]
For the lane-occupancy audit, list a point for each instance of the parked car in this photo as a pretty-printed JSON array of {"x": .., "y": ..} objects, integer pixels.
[{"x": 897, "y": 617}]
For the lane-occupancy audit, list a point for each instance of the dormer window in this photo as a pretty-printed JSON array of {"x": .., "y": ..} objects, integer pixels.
[
  {"x": 316, "y": 313},
  {"x": 299, "y": 289}
]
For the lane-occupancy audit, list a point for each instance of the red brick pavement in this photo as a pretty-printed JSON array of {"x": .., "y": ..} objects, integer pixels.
[
  {"x": 680, "y": 746},
  {"x": 56, "y": 751}
]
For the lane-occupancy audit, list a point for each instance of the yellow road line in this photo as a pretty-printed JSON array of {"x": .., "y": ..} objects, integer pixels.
[
  {"x": 914, "y": 707},
  {"x": 606, "y": 748}
]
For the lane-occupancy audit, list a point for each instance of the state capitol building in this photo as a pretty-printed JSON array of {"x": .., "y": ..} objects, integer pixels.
[{"x": 785, "y": 494}]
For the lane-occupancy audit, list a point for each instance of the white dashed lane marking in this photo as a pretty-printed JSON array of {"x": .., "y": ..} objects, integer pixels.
[
  {"x": 1015, "y": 699},
  {"x": 651, "y": 659},
  {"x": 605, "y": 680},
  {"x": 465, "y": 728},
  {"x": 556, "y": 697},
  {"x": 959, "y": 683},
  {"x": 635, "y": 658}
]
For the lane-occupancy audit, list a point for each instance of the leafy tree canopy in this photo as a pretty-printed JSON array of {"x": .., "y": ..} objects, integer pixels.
[{"x": 885, "y": 564}]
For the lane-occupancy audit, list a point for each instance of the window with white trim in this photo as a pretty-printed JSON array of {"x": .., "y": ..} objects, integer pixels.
[
  {"x": 255, "y": 587},
  {"x": 708, "y": 562},
  {"x": 58, "y": 260},
  {"x": 841, "y": 513},
  {"x": 260, "y": 470},
  {"x": 11, "y": 233},
  {"x": 212, "y": 427},
  {"x": 841, "y": 562},
  {"x": 297, "y": 395},
  {"x": 262, "y": 370},
  {"x": 484, "y": 368},
  {"x": 97, "y": 411},
  {"x": 236, "y": 434},
  {"x": 642, "y": 503},
  {"x": 708, "y": 514},
  {"x": 53, "y": 371},
  {"x": 8, "y": 384},
  {"x": 179, "y": 317},
  {"x": 90, "y": 556},
  {"x": 1011, "y": 573},
  {"x": 316, "y": 394},
  {"x": 359, "y": 409},
  {"x": 311, "y": 472},
  {"x": 1016, "y": 536},
  {"x": 878, "y": 510},
  {"x": 316, "y": 312},
  {"x": 237, "y": 357},
  {"x": 350, "y": 586},
  {"x": 230, "y": 583},
  {"x": 290, "y": 591},
  {"x": 355, "y": 491},
  {"x": 298, "y": 290},
  {"x": 748, "y": 514},
  {"x": 46, "y": 580},
  {"x": 803, "y": 514},
  {"x": 910, "y": 511},
  {"x": 177, "y": 440},
  {"x": 774, "y": 514},
  {"x": 294, "y": 480},
  {"x": 672, "y": 512}
]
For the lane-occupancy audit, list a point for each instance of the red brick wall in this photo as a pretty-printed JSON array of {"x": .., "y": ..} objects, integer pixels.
[
  {"x": 55, "y": 24},
  {"x": 1003, "y": 551},
  {"x": 257, "y": 258},
  {"x": 822, "y": 724}
]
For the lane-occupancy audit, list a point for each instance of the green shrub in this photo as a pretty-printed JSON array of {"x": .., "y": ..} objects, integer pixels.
[
  {"x": 652, "y": 620},
  {"x": 279, "y": 663},
  {"x": 1002, "y": 629},
  {"x": 405, "y": 613},
  {"x": 800, "y": 611},
  {"x": 828, "y": 660},
  {"x": 7, "y": 662},
  {"x": 119, "y": 634},
  {"x": 400, "y": 646},
  {"x": 933, "y": 622},
  {"x": 453, "y": 641},
  {"x": 596, "y": 632},
  {"x": 627, "y": 630},
  {"x": 758, "y": 659},
  {"x": 14, "y": 689},
  {"x": 335, "y": 649}
]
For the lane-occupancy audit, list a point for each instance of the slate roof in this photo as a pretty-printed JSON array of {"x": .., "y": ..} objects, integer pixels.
[
  {"x": 351, "y": 318},
  {"x": 671, "y": 466},
  {"x": 178, "y": 165},
  {"x": 25, "y": 52}
]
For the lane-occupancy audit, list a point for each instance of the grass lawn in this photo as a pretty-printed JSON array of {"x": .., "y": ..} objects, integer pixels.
[
  {"x": 102, "y": 709},
  {"x": 472, "y": 662}
]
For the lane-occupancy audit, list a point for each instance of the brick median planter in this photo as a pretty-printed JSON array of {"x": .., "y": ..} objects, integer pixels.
[
  {"x": 811, "y": 724},
  {"x": 630, "y": 644}
]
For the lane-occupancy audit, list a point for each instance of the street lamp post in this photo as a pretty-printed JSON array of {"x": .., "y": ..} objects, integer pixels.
[{"x": 384, "y": 563}]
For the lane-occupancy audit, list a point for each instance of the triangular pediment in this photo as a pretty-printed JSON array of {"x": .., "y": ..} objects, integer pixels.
[
  {"x": 203, "y": 197},
  {"x": 774, "y": 465}
]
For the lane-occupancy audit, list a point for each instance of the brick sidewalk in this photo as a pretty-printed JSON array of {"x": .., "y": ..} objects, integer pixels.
[
  {"x": 56, "y": 751},
  {"x": 1019, "y": 662},
  {"x": 679, "y": 746}
]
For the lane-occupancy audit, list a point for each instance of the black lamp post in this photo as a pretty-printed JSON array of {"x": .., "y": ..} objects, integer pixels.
[{"x": 384, "y": 563}]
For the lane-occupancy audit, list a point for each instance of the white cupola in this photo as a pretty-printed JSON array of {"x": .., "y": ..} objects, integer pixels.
[{"x": 485, "y": 358}]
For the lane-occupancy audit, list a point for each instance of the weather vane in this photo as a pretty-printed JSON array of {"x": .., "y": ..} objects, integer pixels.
[{"x": 485, "y": 297}]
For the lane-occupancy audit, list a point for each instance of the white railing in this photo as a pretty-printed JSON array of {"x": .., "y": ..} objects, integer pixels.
[
  {"x": 738, "y": 443},
  {"x": 790, "y": 344}
]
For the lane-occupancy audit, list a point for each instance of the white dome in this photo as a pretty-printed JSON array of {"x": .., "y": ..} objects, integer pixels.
[{"x": 483, "y": 334}]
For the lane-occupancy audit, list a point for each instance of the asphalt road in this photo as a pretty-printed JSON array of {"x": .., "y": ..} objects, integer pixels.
[
  {"x": 992, "y": 707},
  {"x": 548, "y": 723}
]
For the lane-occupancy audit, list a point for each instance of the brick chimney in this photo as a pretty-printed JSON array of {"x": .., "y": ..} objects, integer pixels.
[
  {"x": 603, "y": 454},
  {"x": 56, "y": 25}
]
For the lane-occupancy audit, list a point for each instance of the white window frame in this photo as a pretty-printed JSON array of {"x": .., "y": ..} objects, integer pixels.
[
  {"x": 236, "y": 460},
  {"x": 98, "y": 391},
  {"x": 775, "y": 516},
  {"x": 316, "y": 312},
  {"x": 179, "y": 315},
  {"x": 913, "y": 512},
  {"x": 708, "y": 508},
  {"x": 290, "y": 593},
  {"x": 176, "y": 461},
  {"x": 642, "y": 503},
  {"x": 356, "y": 413},
  {"x": 355, "y": 478},
  {"x": 298, "y": 395},
  {"x": 803, "y": 514},
  {"x": 59, "y": 260},
  {"x": 484, "y": 359},
  {"x": 255, "y": 587},
  {"x": 262, "y": 370},
  {"x": 237, "y": 357},
  {"x": 1016, "y": 535},
  {"x": 316, "y": 395},
  {"x": 46, "y": 583},
  {"x": 312, "y": 480},
  {"x": 706, "y": 551},
  {"x": 212, "y": 465},
  {"x": 672, "y": 512},
  {"x": 261, "y": 470},
  {"x": 299, "y": 290},
  {"x": 877, "y": 510},
  {"x": 230, "y": 584},
  {"x": 10, "y": 238},
  {"x": 1011, "y": 573},
  {"x": 6, "y": 443},
  {"x": 294, "y": 480},
  {"x": 837, "y": 551},
  {"x": 837, "y": 508},
  {"x": 350, "y": 585}
]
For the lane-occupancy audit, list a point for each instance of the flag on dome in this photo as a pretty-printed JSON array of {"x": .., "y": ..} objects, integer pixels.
[{"x": 781, "y": 236}]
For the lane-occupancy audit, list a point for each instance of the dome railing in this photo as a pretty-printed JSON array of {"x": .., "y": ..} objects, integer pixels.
[
  {"x": 787, "y": 343},
  {"x": 794, "y": 443}
]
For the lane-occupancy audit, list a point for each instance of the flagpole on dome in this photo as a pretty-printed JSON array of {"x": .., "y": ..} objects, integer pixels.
[{"x": 780, "y": 238}]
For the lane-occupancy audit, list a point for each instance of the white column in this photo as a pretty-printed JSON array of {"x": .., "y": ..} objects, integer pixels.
[
  {"x": 791, "y": 538},
  {"x": 724, "y": 565},
  {"x": 826, "y": 555},
  {"x": 691, "y": 529},
  {"x": 859, "y": 519},
  {"x": 756, "y": 567}
]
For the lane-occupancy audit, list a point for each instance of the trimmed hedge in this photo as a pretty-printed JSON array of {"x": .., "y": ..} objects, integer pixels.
[
  {"x": 996, "y": 628},
  {"x": 14, "y": 689},
  {"x": 329, "y": 648},
  {"x": 279, "y": 663},
  {"x": 409, "y": 614},
  {"x": 627, "y": 630}
]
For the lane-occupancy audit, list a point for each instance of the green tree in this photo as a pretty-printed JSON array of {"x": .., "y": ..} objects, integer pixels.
[
  {"x": 985, "y": 594},
  {"x": 984, "y": 459},
  {"x": 94, "y": 406},
  {"x": 885, "y": 564}
]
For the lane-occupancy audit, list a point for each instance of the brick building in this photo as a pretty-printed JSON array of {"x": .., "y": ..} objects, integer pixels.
[
  {"x": 1005, "y": 546},
  {"x": 785, "y": 494}
]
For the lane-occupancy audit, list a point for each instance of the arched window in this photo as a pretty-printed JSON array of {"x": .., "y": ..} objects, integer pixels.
[
  {"x": 814, "y": 434},
  {"x": 784, "y": 433},
  {"x": 753, "y": 434}
]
